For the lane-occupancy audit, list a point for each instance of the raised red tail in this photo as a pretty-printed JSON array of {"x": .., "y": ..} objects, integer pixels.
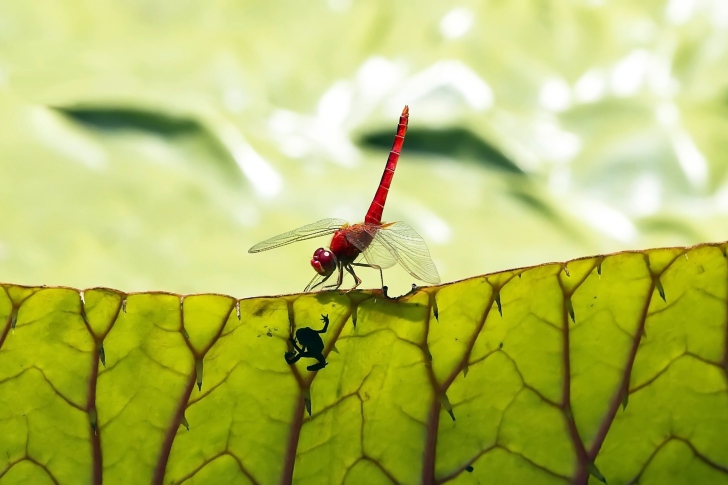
[{"x": 374, "y": 214}]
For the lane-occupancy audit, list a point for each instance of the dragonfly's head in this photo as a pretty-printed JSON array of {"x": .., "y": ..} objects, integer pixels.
[{"x": 323, "y": 261}]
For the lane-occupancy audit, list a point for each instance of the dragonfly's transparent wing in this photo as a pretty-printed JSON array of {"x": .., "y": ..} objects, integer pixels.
[
  {"x": 361, "y": 236},
  {"x": 319, "y": 228},
  {"x": 408, "y": 248},
  {"x": 377, "y": 254}
]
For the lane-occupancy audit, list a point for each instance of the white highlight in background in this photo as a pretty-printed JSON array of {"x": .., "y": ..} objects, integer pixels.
[
  {"x": 554, "y": 143},
  {"x": 335, "y": 104},
  {"x": 719, "y": 15},
  {"x": 679, "y": 11},
  {"x": 265, "y": 180},
  {"x": 667, "y": 114},
  {"x": 555, "y": 95},
  {"x": 284, "y": 125},
  {"x": 437, "y": 230},
  {"x": 590, "y": 87},
  {"x": 606, "y": 219},
  {"x": 429, "y": 225},
  {"x": 298, "y": 135},
  {"x": 446, "y": 74},
  {"x": 456, "y": 23},
  {"x": 646, "y": 195},
  {"x": 691, "y": 159},
  {"x": 60, "y": 135},
  {"x": 340, "y": 5},
  {"x": 376, "y": 77},
  {"x": 628, "y": 75}
]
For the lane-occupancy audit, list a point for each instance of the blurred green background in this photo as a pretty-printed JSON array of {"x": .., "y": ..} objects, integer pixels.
[{"x": 148, "y": 144}]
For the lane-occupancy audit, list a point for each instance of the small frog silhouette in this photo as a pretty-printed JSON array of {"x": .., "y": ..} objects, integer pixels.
[{"x": 311, "y": 346}]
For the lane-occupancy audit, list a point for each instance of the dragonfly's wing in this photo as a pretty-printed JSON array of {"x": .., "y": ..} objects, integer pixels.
[
  {"x": 377, "y": 254},
  {"x": 361, "y": 236},
  {"x": 320, "y": 228},
  {"x": 408, "y": 248}
]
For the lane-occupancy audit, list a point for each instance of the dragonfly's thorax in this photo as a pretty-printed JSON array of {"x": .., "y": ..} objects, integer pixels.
[{"x": 342, "y": 248}]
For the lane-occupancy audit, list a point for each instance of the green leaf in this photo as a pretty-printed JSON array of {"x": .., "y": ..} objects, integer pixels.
[{"x": 515, "y": 377}]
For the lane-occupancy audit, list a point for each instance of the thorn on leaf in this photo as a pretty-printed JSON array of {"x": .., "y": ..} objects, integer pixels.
[
  {"x": 307, "y": 403},
  {"x": 446, "y": 404},
  {"x": 102, "y": 354},
  {"x": 594, "y": 471},
  {"x": 92, "y": 418},
  {"x": 570, "y": 308},
  {"x": 198, "y": 369}
]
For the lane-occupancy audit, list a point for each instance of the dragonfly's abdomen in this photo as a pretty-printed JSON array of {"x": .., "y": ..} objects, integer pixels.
[{"x": 374, "y": 214}]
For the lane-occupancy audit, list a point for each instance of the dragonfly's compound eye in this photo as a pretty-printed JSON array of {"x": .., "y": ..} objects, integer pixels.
[{"x": 323, "y": 261}]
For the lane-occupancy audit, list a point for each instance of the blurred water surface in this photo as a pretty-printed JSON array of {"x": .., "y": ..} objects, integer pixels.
[{"x": 148, "y": 144}]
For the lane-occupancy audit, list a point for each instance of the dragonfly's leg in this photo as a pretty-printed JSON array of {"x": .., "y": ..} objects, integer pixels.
[
  {"x": 356, "y": 278},
  {"x": 338, "y": 280},
  {"x": 309, "y": 287},
  {"x": 364, "y": 265}
]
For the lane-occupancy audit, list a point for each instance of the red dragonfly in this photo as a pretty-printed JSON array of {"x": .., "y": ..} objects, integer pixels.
[{"x": 382, "y": 244}]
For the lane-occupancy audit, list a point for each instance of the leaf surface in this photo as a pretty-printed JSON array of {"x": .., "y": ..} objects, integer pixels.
[{"x": 606, "y": 368}]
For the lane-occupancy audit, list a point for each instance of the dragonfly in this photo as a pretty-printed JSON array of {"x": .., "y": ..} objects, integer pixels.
[{"x": 371, "y": 244}]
